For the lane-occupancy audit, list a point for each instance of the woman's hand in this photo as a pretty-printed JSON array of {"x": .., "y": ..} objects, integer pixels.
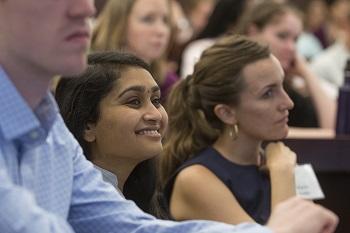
[
  {"x": 280, "y": 162},
  {"x": 299, "y": 67},
  {"x": 298, "y": 215},
  {"x": 279, "y": 156}
]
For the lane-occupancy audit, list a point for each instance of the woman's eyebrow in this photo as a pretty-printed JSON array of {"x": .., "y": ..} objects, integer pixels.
[
  {"x": 138, "y": 89},
  {"x": 155, "y": 89},
  {"x": 133, "y": 88}
]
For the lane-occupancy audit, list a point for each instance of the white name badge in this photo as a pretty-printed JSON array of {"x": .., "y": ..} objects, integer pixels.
[{"x": 307, "y": 185}]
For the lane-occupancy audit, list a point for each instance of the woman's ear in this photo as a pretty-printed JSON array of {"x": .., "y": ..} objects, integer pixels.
[
  {"x": 252, "y": 30},
  {"x": 90, "y": 132},
  {"x": 225, "y": 113}
]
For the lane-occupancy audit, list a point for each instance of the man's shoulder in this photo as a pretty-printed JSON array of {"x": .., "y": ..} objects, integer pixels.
[{"x": 60, "y": 134}]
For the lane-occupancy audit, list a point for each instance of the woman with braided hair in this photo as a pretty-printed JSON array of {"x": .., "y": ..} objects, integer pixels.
[{"x": 213, "y": 166}]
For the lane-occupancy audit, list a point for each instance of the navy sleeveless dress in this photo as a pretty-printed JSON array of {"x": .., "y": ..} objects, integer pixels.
[{"x": 250, "y": 186}]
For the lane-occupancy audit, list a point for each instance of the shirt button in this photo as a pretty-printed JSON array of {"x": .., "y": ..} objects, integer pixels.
[{"x": 34, "y": 135}]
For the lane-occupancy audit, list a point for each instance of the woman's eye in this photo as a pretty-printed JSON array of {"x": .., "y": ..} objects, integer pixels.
[
  {"x": 282, "y": 35},
  {"x": 166, "y": 20},
  {"x": 134, "y": 102},
  {"x": 156, "y": 102},
  {"x": 268, "y": 94},
  {"x": 147, "y": 19}
]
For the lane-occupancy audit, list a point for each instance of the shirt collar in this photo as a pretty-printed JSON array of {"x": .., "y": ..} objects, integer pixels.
[
  {"x": 17, "y": 119},
  {"x": 109, "y": 177}
]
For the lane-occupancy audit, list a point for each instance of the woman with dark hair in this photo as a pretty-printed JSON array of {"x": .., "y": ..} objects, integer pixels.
[
  {"x": 223, "y": 20},
  {"x": 113, "y": 109},
  {"x": 213, "y": 166}
]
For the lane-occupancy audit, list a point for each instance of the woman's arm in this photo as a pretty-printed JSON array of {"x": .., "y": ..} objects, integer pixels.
[
  {"x": 325, "y": 105},
  {"x": 199, "y": 194},
  {"x": 280, "y": 162}
]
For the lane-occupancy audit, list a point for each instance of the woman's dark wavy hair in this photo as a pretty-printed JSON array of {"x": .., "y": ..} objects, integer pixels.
[
  {"x": 79, "y": 97},
  {"x": 225, "y": 15}
]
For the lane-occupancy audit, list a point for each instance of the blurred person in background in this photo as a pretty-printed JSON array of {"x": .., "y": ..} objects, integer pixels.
[
  {"x": 314, "y": 13},
  {"x": 279, "y": 25},
  {"x": 330, "y": 64},
  {"x": 140, "y": 27},
  {"x": 223, "y": 20},
  {"x": 189, "y": 17},
  {"x": 338, "y": 11}
]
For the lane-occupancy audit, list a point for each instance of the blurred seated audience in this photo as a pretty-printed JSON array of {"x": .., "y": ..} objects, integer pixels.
[
  {"x": 279, "y": 25},
  {"x": 330, "y": 64},
  {"x": 140, "y": 27},
  {"x": 223, "y": 20}
]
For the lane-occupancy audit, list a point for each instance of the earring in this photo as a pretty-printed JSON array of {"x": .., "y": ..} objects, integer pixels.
[{"x": 234, "y": 132}]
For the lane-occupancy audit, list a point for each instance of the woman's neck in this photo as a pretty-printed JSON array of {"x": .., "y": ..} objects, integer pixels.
[{"x": 240, "y": 151}]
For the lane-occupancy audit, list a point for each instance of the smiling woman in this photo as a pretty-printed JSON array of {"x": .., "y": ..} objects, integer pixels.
[{"x": 114, "y": 111}]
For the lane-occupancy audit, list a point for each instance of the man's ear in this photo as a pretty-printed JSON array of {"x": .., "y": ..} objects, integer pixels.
[
  {"x": 90, "y": 132},
  {"x": 225, "y": 113}
]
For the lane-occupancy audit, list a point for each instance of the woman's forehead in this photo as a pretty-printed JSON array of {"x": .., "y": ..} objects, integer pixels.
[{"x": 134, "y": 76}]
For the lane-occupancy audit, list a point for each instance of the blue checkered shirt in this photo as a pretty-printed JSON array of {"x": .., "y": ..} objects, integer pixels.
[{"x": 47, "y": 185}]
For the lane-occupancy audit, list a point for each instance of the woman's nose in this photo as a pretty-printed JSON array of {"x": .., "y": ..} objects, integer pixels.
[
  {"x": 162, "y": 28},
  {"x": 152, "y": 113},
  {"x": 286, "y": 103}
]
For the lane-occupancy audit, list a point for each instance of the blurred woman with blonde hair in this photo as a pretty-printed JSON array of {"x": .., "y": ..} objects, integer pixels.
[{"x": 140, "y": 27}]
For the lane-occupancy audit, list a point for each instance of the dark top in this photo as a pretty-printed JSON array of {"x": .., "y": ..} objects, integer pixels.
[
  {"x": 140, "y": 185},
  {"x": 303, "y": 114},
  {"x": 249, "y": 185}
]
